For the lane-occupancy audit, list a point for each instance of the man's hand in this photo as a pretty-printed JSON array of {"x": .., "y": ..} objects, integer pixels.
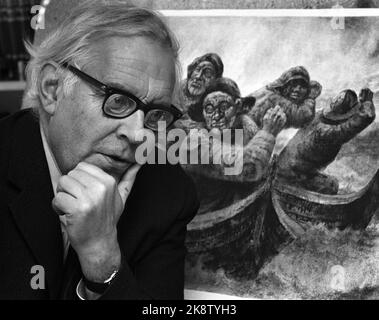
[
  {"x": 92, "y": 203},
  {"x": 274, "y": 120},
  {"x": 366, "y": 95},
  {"x": 367, "y": 108}
]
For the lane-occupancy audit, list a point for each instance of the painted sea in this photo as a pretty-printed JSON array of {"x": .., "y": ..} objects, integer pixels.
[{"x": 324, "y": 263}]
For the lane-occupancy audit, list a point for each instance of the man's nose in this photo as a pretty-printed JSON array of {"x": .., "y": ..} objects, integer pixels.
[
  {"x": 196, "y": 74},
  {"x": 217, "y": 115},
  {"x": 132, "y": 127},
  {"x": 297, "y": 88}
]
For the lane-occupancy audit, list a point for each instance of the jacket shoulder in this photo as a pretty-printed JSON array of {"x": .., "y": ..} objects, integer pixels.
[
  {"x": 18, "y": 122},
  {"x": 9, "y": 123},
  {"x": 7, "y": 128}
]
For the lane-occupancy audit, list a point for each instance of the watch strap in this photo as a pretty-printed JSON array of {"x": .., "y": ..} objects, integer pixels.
[{"x": 99, "y": 287}]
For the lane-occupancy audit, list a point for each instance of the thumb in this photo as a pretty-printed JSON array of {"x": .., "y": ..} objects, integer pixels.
[{"x": 126, "y": 183}]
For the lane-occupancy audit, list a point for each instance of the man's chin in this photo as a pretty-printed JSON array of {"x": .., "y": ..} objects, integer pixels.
[
  {"x": 219, "y": 126},
  {"x": 110, "y": 166},
  {"x": 195, "y": 92},
  {"x": 297, "y": 99}
]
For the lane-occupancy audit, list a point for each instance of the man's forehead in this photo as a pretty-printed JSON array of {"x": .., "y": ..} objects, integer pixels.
[
  {"x": 136, "y": 65},
  {"x": 135, "y": 71},
  {"x": 295, "y": 82},
  {"x": 140, "y": 63},
  {"x": 207, "y": 64},
  {"x": 218, "y": 96}
]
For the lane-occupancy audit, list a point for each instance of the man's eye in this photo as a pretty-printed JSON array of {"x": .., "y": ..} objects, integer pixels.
[
  {"x": 118, "y": 105},
  {"x": 208, "y": 73},
  {"x": 209, "y": 108},
  {"x": 120, "y": 101},
  {"x": 154, "y": 116},
  {"x": 225, "y": 106}
]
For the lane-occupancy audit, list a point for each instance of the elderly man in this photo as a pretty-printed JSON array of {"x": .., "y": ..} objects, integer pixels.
[
  {"x": 200, "y": 74},
  {"x": 224, "y": 108},
  {"x": 314, "y": 147},
  {"x": 294, "y": 92},
  {"x": 97, "y": 84}
]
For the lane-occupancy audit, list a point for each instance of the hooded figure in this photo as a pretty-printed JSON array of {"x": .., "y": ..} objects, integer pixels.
[
  {"x": 200, "y": 74},
  {"x": 224, "y": 108},
  {"x": 294, "y": 92},
  {"x": 314, "y": 147},
  {"x": 213, "y": 58}
]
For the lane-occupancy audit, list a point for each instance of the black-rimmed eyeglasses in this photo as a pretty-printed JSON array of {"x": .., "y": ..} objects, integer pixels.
[{"x": 122, "y": 104}]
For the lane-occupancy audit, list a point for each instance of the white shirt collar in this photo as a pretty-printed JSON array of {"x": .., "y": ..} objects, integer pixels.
[
  {"x": 55, "y": 174},
  {"x": 54, "y": 171}
]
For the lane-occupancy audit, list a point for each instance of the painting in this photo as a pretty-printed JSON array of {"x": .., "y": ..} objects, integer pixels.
[{"x": 300, "y": 220}]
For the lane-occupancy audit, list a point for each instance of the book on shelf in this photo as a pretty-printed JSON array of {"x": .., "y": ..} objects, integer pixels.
[{"x": 15, "y": 28}]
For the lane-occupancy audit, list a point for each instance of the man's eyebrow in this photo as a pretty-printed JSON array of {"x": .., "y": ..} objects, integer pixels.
[
  {"x": 205, "y": 66},
  {"x": 118, "y": 86}
]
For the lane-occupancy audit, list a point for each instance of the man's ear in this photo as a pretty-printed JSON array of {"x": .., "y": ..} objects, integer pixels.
[
  {"x": 238, "y": 103},
  {"x": 49, "y": 86},
  {"x": 238, "y": 106},
  {"x": 247, "y": 104}
]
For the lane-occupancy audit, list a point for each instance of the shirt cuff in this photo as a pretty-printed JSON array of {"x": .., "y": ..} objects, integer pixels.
[
  {"x": 85, "y": 294},
  {"x": 80, "y": 290}
]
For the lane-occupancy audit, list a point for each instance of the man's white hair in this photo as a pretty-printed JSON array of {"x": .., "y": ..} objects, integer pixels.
[{"x": 88, "y": 23}]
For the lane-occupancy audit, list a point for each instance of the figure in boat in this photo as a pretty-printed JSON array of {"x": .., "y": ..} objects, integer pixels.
[
  {"x": 294, "y": 92},
  {"x": 224, "y": 108},
  {"x": 200, "y": 74},
  {"x": 314, "y": 147}
]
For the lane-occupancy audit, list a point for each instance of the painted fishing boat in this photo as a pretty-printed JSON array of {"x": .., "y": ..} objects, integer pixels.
[
  {"x": 299, "y": 209},
  {"x": 238, "y": 238},
  {"x": 243, "y": 235}
]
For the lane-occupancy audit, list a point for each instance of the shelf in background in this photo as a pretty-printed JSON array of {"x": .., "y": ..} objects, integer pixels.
[{"x": 12, "y": 85}]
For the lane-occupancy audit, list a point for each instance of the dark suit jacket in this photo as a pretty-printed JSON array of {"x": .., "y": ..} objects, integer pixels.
[
  {"x": 151, "y": 231},
  {"x": 3, "y": 114}
]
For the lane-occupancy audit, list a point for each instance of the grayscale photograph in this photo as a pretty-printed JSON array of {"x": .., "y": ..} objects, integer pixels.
[{"x": 189, "y": 150}]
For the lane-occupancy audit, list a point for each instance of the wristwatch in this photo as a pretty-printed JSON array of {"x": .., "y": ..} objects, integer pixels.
[{"x": 100, "y": 287}]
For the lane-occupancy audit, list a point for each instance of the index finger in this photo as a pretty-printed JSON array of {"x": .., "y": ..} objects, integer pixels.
[
  {"x": 126, "y": 183},
  {"x": 90, "y": 168}
]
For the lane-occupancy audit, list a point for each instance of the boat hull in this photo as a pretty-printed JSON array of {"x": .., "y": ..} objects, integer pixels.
[
  {"x": 299, "y": 209},
  {"x": 236, "y": 239}
]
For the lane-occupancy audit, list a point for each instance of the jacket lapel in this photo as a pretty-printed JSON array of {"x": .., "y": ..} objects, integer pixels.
[{"x": 31, "y": 204}]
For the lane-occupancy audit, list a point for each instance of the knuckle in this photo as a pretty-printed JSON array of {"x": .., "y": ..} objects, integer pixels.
[
  {"x": 71, "y": 173},
  {"x": 55, "y": 202},
  {"x": 101, "y": 189},
  {"x": 81, "y": 165},
  {"x": 110, "y": 181},
  {"x": 84, "y": 207},
  {"x": 58, "y": 197},
  {"x": 63, "y": 180}
]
